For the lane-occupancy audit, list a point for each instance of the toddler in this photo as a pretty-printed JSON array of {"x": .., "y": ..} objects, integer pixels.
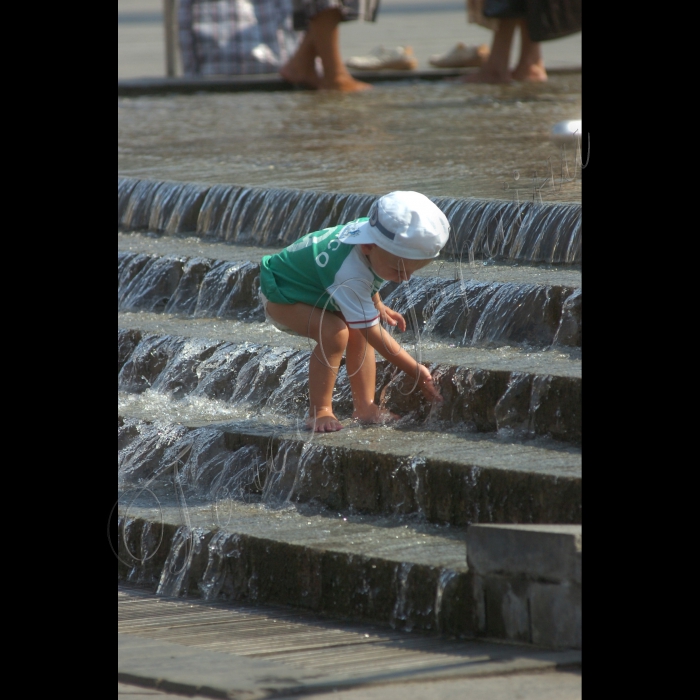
[{"x": 325, "y": 286}]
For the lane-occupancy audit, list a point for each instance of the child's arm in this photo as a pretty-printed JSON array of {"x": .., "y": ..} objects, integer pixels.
[
  {"x": 387, "y": 347},
  {"x": 387, "y": 315}
]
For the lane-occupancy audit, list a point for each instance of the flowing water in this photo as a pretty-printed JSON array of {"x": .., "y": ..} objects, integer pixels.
[
  {"x": 439, "y": 138},
  {"x": 211, "y": 399},
  {"x": 532, "y": 232}
]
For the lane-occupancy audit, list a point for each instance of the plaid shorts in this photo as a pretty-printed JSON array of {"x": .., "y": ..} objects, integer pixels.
[
  {"x": 350, "y": 9},
  {"x": 235, "y": 37}
]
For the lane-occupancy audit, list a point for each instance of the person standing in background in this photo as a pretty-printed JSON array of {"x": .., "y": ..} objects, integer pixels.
[
  {"x": 320, "y": 19},
  {"x": 504, "y": 17},
  {"x": 235, "y": 37},
  {"x": 537, "y": 20}
]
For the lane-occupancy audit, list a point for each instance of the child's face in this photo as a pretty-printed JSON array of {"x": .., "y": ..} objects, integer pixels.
[{"x": 391, "y": 267}]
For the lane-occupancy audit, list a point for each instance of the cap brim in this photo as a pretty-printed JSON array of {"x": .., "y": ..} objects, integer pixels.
[{"x": 354, "y": 234}]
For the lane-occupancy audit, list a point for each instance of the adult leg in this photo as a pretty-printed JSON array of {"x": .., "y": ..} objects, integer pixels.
[
  {"x": 495, "y": 70},
  {"x": 301, "y": 67},
  {"x": 325, "y": 35},
  {"x": 331, "y": 335},
  {"x": 530, "y": 67},
  {"x": 361, "y": 365}
]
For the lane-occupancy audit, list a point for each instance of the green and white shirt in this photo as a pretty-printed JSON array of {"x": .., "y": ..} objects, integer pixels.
[{"x": 321, "y": 271}]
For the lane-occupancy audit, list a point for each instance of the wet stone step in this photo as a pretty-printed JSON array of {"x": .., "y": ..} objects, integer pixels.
[
  {"x": 275, "y": 379},
  {"x": 468, "y": 311},
  {"x": 443, "y": 477},
  {"x": 446, "y": 266},
  {"x": 560, "y": 362},
  {"x": 488, "y": 229},
  {"x": 399, "y": 576}
]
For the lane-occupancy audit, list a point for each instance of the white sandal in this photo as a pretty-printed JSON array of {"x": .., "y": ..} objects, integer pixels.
[
  {"x": 399, "y": 58},
  {"x": 461, "y": 56}
]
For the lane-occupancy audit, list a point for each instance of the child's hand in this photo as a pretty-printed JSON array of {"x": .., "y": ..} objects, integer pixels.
[
  {"x": 393, "y": 318},
  {"x": 427, "y": 385}
]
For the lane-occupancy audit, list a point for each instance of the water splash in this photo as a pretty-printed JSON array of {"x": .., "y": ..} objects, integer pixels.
[
  {"x": 223, "y": 550},
  {"x": 445, "y": 580},
  {"x": 217, "y": 375},
  {"x": 152, "y": 287},
  {"x": 282, "y": 467},
  {"x": 512, "y": 410},
  {"x": 142, "y": 446},
  {"x": 187, "y": 544},
  {"x": 401, "y": 612}
]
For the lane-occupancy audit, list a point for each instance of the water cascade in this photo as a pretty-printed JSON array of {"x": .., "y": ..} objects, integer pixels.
[
  {"x": 482, "y": 229},
  {"x": 225, "y": 496}
]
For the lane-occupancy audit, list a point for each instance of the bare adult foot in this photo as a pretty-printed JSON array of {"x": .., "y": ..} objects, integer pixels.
[
  {"x": 530, "y": 74},
  {"x": 293, "y": 72},
  {"x": 343, "y": 83},
  {"x": 375, "y": 416},
  {"x": 326, "y": 423}
]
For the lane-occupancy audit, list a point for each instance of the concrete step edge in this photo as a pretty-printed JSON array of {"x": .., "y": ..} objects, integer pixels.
[
  {"x": 539, "y": 316},
  {"x": 488, "y": 229},
  {"x": 522, "y": 403},
  {"x": 136, "y": 87},
  {"x": 445, "y": 267},
  {"x": 481, "y": 481},
  {"x": 238, "y": 566}
]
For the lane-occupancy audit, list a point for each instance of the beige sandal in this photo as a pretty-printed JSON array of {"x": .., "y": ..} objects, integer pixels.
[
  {"x": 399, "y": 58},
  {"x": 461, "y": 56}
]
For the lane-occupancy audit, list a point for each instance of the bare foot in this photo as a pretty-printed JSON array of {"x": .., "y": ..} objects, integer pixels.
[
  {"x": 325, "y": 423},
  {"x": 293, "y": 72},
  {"x": 375, "y": 416},
  {"x": 343, "y": 83},
  {"x": 486, "y": 76},
  {"x": 531, "y": 74}
]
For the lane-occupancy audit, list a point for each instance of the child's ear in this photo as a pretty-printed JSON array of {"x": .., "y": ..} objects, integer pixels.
[{"x": 365, "y": 248}]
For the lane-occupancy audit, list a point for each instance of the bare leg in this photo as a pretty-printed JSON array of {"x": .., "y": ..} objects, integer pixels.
[
  {"x": 331, "y": 334},
  {"x": 301, "y": 68},
  {"x": 530, "y": 68},
  {"x": 495, "y": 70},
  {"x": 361, "y": 364},
  {"x": 325, "y": 35}
]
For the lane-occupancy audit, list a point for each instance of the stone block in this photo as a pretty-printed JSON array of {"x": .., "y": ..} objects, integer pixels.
[
  {"x": 520, "y": 610},
  {"x": 502, "y": 608},
  {"x": 547, "y": 553},
  {"x": 555, "y": 614}
]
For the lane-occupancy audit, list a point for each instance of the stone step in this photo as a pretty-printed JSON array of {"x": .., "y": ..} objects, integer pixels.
[
  {"x": 538, "y": 397},
  {"x": 488, "y": 229},
  {"x": 558, "y": 363},
  {"x": 407, "y": 577},
  {"x": 446, "y": 266},
  {"x": 467, "y": 311},
  {"x": 446, "y": 478}
]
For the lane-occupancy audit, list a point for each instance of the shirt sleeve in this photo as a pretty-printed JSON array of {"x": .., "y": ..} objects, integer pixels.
[{"x": 352, "y": 291}]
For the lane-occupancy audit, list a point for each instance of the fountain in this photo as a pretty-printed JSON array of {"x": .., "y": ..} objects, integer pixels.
[{"x": 223, "y": 495}]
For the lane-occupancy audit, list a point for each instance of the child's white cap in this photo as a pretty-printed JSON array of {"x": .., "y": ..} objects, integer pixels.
[{"x": 406, "y": 224}]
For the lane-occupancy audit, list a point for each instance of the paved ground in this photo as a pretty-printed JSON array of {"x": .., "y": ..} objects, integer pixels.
[
  {"x": 554, "y": 685},
  {"x": 429, "y": 26},
  {"x": 189, "y": 646}
]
